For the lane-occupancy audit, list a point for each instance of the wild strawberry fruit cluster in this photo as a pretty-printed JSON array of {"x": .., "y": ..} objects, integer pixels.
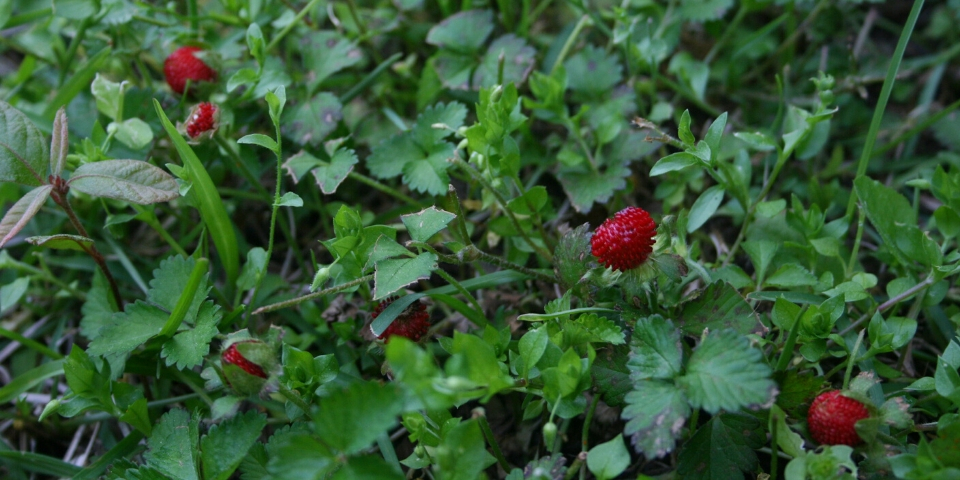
[
  {"x": 202, "y": 120},
  {"x": 625, "y": 241},
  {"x": 413, "y": 323},
  {"x": 183, "y": 66}
]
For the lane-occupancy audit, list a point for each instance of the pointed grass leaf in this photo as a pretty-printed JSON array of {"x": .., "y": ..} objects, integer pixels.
[
  {"x": 656, "y": 412},
  {"x": 22, "y": 211},
  {"x": 59, "y": 142},
  {"x": 133, "y": 181},
  {"x": 62, "y": 242},
  {"x": 23, "y": 150},
  {"x": 226, "y": 444},
  {"x": 208, "y": 200},
  {"x": 426, "y": 223},
  {"x": 726, "y": 373}
]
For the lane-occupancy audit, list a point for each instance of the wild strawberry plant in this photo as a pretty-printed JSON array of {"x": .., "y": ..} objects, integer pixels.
[{"x": 523, "y": 240}]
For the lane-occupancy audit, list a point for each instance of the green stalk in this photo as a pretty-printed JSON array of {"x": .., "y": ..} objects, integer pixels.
[
  {"x": 200, "y": 269},
  {"x": 317, "y": 294},
  {"x": 569, "y": 43},
  {"x": 30, "y": 343},
  {"x": 852, "y": 359},
  {"x": 273, "y": 213},
  {"x": 884, "y": 97},
  {"x": 491, "y": 440},
  {"x": 296, "y": 21},
  {"x": 787, "y": 352}
]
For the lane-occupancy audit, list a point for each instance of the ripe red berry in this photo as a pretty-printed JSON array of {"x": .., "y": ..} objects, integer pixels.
[
  {"x": 202, "y": 119},
  {"x": 625, "y": 241},
  {"x": 233, "y": 356},
  {"x": 413, "y": 323},
  {"x": 832, "y": 416},
  {"x": 182, "y": 65}
]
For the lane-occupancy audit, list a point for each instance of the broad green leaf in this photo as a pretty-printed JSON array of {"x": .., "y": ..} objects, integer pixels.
[
  {"x": 325, "y": 53},
  {"x": 417, "y": 371},
  {"x": 76, "y": 9},
  {"x": 706, "y": 205},
  {"x": 715, "y": 132},
  {"x": 276, "y": 100},
  {"x": 791, "y": 275},
  {"x": 23, "y": 210},
  {"x": 946, "y": 377},
  {"x": 129, "y": 329},
  {"x": 761, "y": 253},
  {"x": 187, "y": 349},
  {"x": 592, "y": 328},
  {"x": 462, "y": 454},
  {"x": 350, "y": 420},
  {"x": 572, "y": 255},
  {"x": 428, "y": 131},
  {"x": 98, "y": 309},
  {"x": 170, "y": 281},
  {"x": 62, "y": 242},
  {"x": 108, "y": 96},
  {"x": 128, "y": 180},
  {"x": 226, "y": 444},
  {"x": 392, "y": 275},
  {"x": 138, "y": 416},
  {"x": 885, "y": 208},
  {"x": 531, "y": 347},
  {"x": 586, "y": 187},
  {"x": 12, "y": 292},
  {"x": 655, "y": 349},
  {"x": 329, "y": 177},
  {"x": 255, "y": 42},
  {"x": 368, "y": 467},
  {"x": 310, "y": 122},
  {"x": 464, "y": 32},
  {"x": 299, "y": 455},
  {"x": 290, "y": 199},
  {"x": 132, "y": 132},
  {"x": 757, "y": 140},
  {"x": 673, "y": 162},
  {"x": 722, "y": 449},
  {"x": 174, "y": 445},
  {"x": 718, "y": 307},
  {"x": 531, "y": 202},
  {"x": 948, "y": 221},
  {"x": 593, "y": 71},
  {"x": 259, "y": 139},
  {"x": 426, "y": 223},
  {"x": 608, "y": 459},
  {"x": 656, "y": 412},
  {"x": 23, "y": 151},
  {"x": 477, "y": 361},
  {"x": 726, "y": 373},
  {"x": 790, "y": 442}
]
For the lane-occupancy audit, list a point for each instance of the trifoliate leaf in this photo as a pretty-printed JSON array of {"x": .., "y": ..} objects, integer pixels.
[
  {"x": 310, "y": 122},
  {"x": 726, "y": 373},
  {"x": 226, "y": 444}
]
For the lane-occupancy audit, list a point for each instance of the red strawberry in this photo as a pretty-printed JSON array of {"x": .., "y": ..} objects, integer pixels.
[
  {"x": 413, "y": 323},
  {"x": 182, "y": 65},
  {"x": 832, "y": 416},
  {"x": 625, "y": 241},
  {"x": 202, "y": 119},
  {"x": 232, "y": 356}
]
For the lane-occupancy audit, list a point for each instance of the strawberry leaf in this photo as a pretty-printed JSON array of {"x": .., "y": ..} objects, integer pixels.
[
  {"x": 722, "y": 449},
  {"x": 352, "y": 418},
  {"x": 226, "y": 445},
  {"x": 718, "y": 307},
  {"x": 654, "y": 349},
  {"x": 655, "y": 414},
  {"x": 174, "y": 445},
  {"x": 187, "y": 348},
  {"x": 726, "y": 373}
]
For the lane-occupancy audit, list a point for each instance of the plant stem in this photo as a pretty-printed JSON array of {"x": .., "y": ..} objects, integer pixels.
[
  {"x": 463, "y": 291},
  {"x": 476, "y": 175},
  {"x": 296, "y": 20},
  {"x": 501, "y": 262},
  {"x": 569, "y": 43},
  {"x": 481, "y": 417},
  {"x": 856, "y": 244},
  {"x": 294, "y": 397},
  {"x": 852, "y": 359},
  {"x": 787, "y": 352},
  {"x": 384, "y": 188},
  {"x": 299, "y": 300},
  {"x": 60, "y": 199}
]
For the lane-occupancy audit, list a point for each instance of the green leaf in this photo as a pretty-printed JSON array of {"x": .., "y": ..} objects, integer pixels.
[
  {"x": 718, "y": 307},
  {"x": 593, "y": 71},
  {"x": 329, "y": 177},
  {"x": 368, "y": 467},
  {"x": 129, "y": 329},
  {"x": 29, "y": 379},
  {"x": 885, "y": 208},
  {"x": 12, "y": 292},
  {"x": 477, "y": 361},
  {"x": 226, "y": 444},
  {"x": 726, "y": 373},
  {"x": 276, "y": 100},
  {"x": 327, "y": 52},
  {"x": 173, "y": 446},
  {"x": 128, "y": 180},
  {"x": 76, "y": 9},
  {"x": 591, "y": 327},
  {"x": 722, "y": 449},
  {"x": 519, "y": 60},
  {"x": 761, "y": 253},
  {"x": 572, "y": 255},
  {"x": 42, "y": 464},
  {"x": 758, "y": 141},
  {"x": 299, "y": 455},
  {"x": 290, "y": 199},
  {"x": 255, "y": 42},
  {"x": 946, "y": 377},
  {"x": 427, "y": 129},
  {"x": 62, "y": 242},
  {"x": 673, "y": 162},
  {"x": 654, "y": 349},
  {"x": 464, "y": 32},
  {"x": 82, "y": 375},
  {"x": 655, "y": 414},
  {"x": 78, "y": 82},
  {"x": 706, "y": 205},
  {"x": 608, "y": 459},
  {"x": 259, "y": 139},
  {"x": 715, "y": 132},
  {"x": 791, "y": 275},
  {"x": 24, "y": 155},
  {"x": 187, "y": 349},
  {"x": 531, "y": 347},
  {"x": 350, "y": 420},
  {"x": 310, "y": 122},
  {"x": 170, "y": 281},
  {"x": 108, "y": 96},
  {"x": 531, "y": 202},
  {"x": 426, "y": 223},
  {"x": 462, "y": 454},
  {"x": 586, "y": 187},
  {"x": 98, "y": 308},
  {"x": 206, "y": 196},
  {"x": 789, "y": 441},
  {"x": 138, "y": 416},
  {"x": 392, "y": 275},
  {"x": 244, "y": 76},
  {"x": 132, "y": 132}
]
